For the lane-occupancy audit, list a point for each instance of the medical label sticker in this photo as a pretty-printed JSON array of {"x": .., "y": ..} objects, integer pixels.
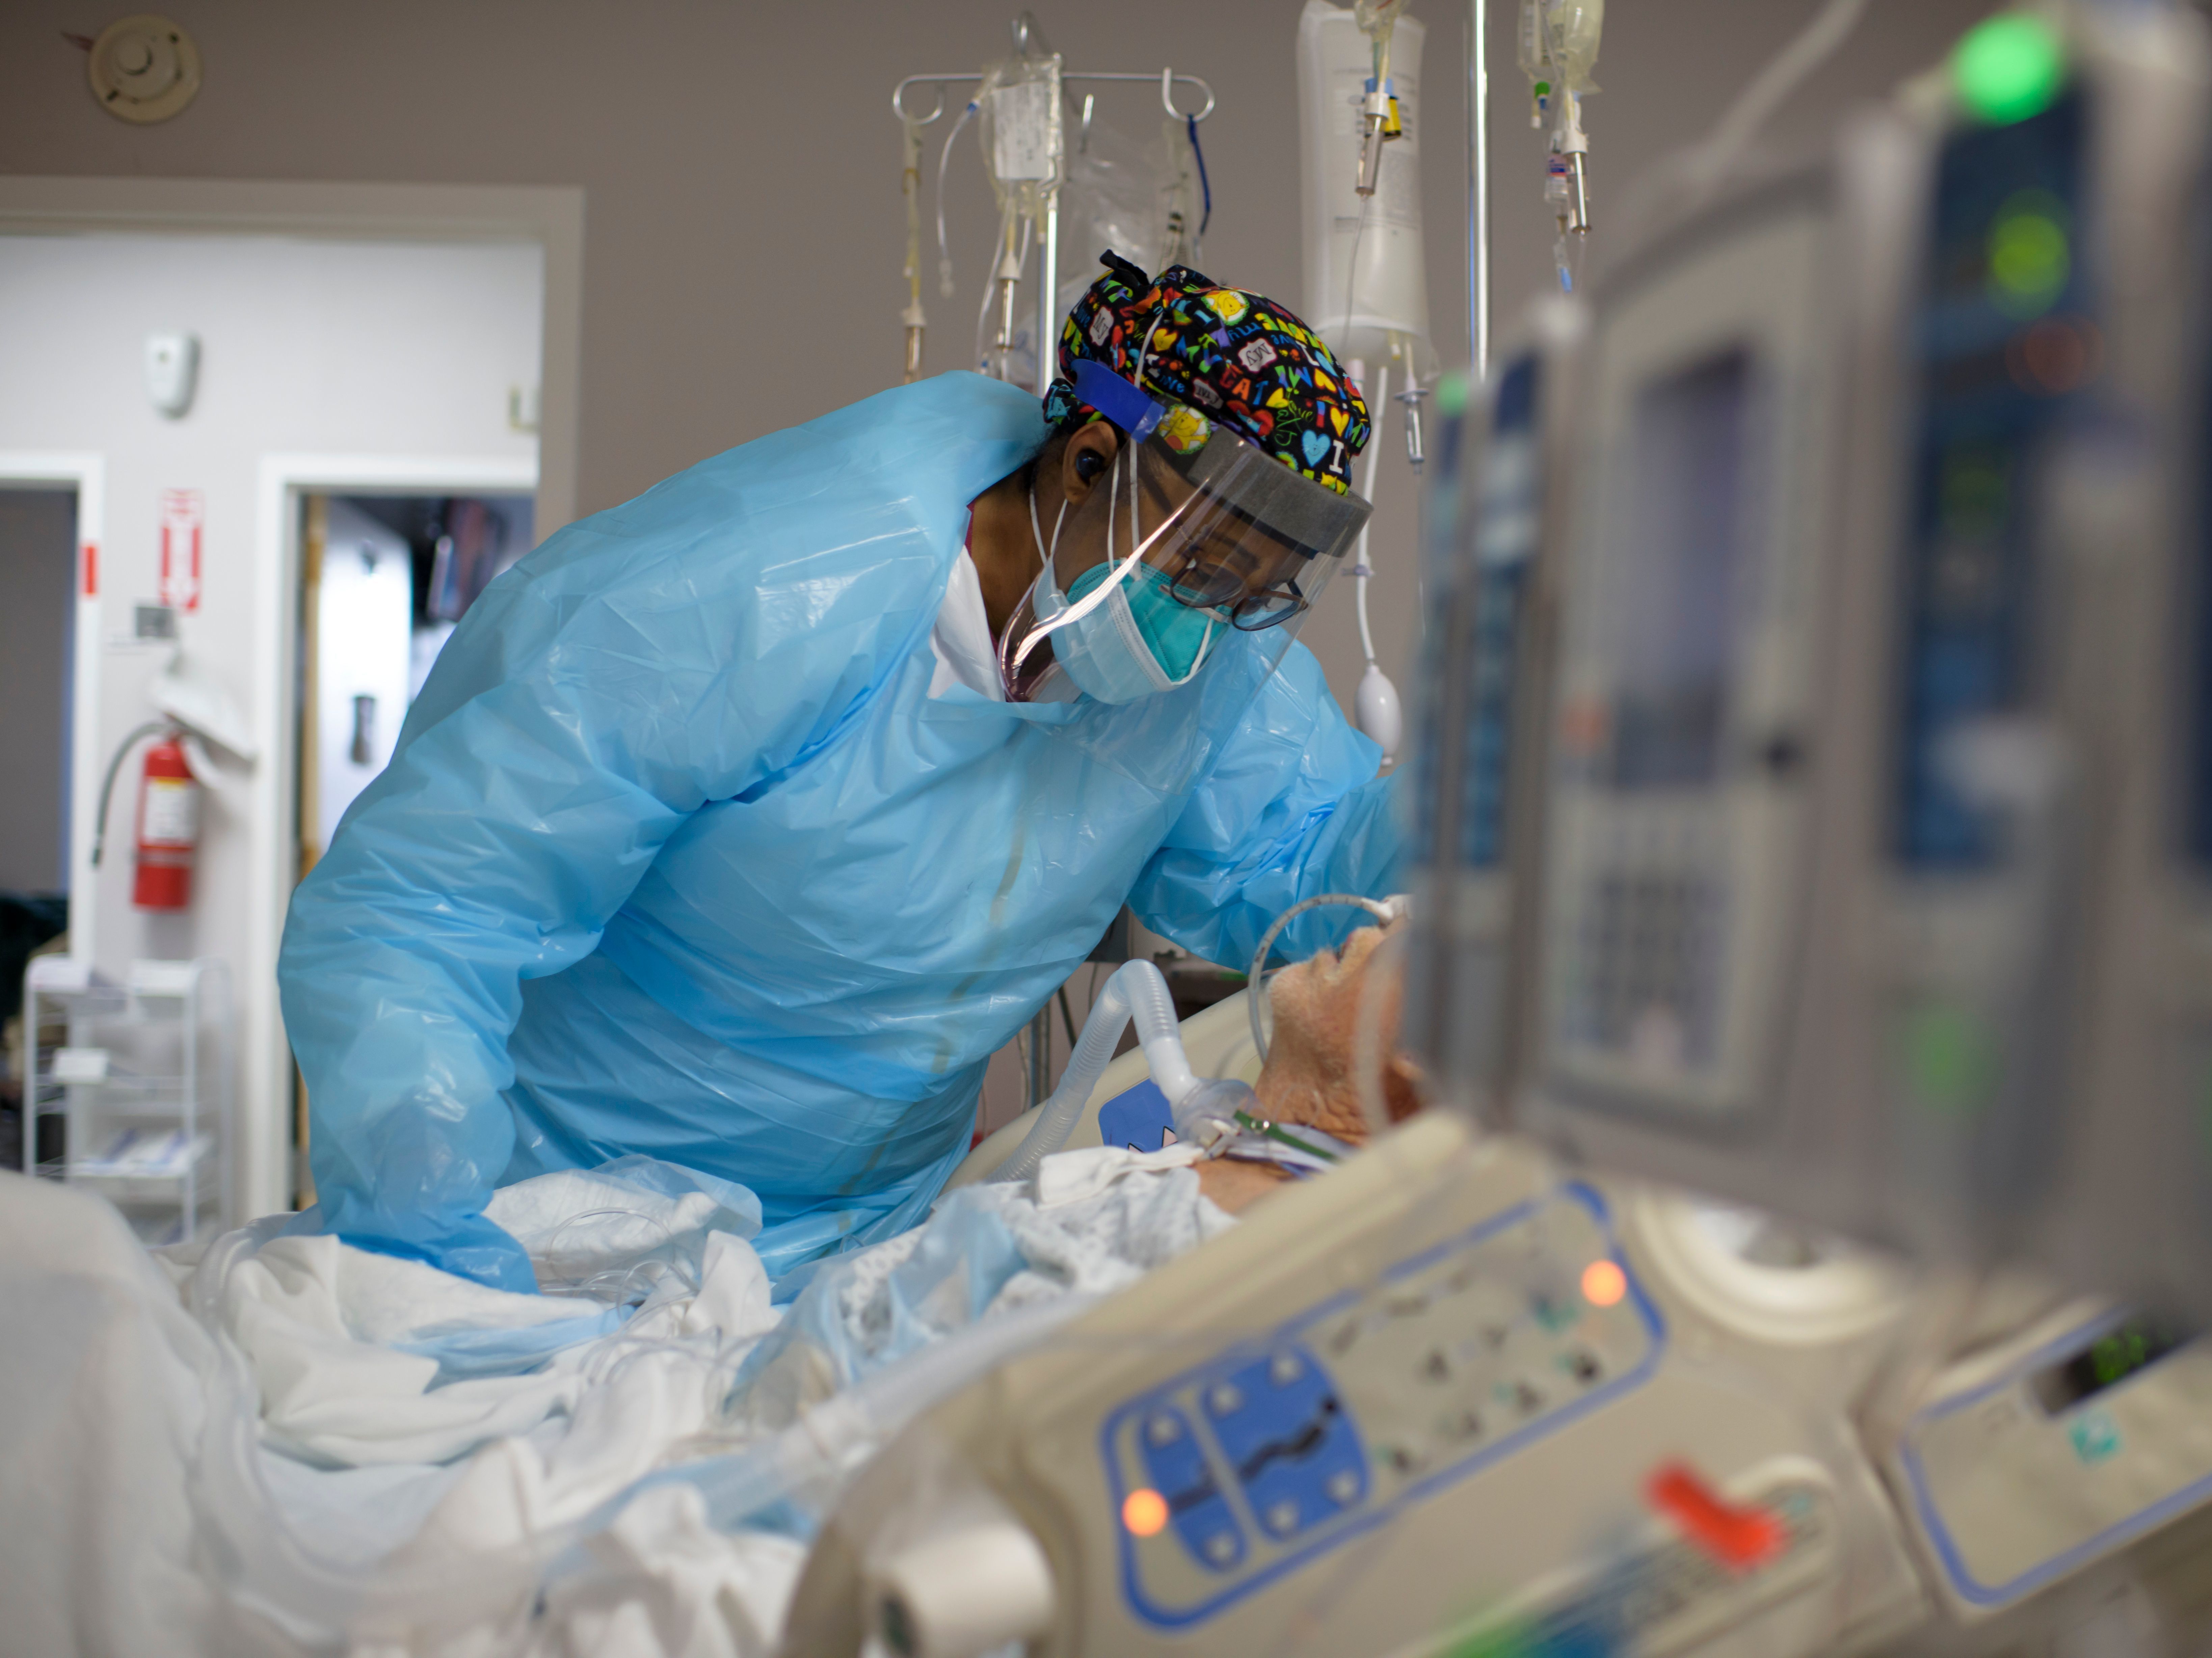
[
  {"x": 172, "y": 812},
  {"x": 183, "y": 513}
]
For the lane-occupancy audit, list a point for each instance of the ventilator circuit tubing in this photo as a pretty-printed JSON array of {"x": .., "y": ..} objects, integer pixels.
[
  {"x": 1375, "y": 907},
  {"x": 1136, "y": 991}
]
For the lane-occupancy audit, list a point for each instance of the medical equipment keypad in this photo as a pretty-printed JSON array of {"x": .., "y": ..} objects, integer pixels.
[{"x": 1286, "y": 1445}]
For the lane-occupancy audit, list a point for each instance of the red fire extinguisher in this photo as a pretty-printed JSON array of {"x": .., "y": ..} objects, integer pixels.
[{"x": 168, "y": 827}]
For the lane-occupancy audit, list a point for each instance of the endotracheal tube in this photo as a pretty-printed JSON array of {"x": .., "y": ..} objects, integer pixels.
[{"x": 1558, "y": 46}]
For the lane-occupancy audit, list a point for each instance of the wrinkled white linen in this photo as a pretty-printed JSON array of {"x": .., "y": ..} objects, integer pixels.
[
  {"x": 426, "y": 1516},
  {"x": 669, "y": 1586},
  {"x": 331, "y": 1393},
  {"x": 1071, "y": 1177}
]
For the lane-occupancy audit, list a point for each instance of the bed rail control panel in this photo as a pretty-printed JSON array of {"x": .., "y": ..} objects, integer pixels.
[{"x": 1243, "y": 1468}]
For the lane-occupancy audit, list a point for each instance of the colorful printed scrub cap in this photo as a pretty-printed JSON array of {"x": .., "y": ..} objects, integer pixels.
[{"x": 1232, "y": 356}]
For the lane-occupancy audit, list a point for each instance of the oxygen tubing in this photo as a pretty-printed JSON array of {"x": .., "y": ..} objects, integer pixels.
[{"x": 1135, "y": 990}]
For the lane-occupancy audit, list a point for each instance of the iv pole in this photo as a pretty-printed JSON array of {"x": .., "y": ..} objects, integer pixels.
[{"x": 1478, "y": 187}]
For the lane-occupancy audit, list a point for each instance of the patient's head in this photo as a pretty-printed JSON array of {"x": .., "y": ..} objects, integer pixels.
[{"x": 1309, "y": 1075}]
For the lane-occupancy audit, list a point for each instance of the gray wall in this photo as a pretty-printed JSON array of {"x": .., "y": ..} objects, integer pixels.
[
  {"x": 744, "y": 233},
  {"x": 38, "y": 567}
]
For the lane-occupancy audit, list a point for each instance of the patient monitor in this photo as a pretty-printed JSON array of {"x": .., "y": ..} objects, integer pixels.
[
  {"x": 1866, "y": 875},
  {"x": 1496, "y": 506},
  {"x": 1823, "y": 845}
]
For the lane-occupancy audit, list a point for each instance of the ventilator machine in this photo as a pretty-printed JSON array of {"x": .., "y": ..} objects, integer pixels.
[{"x": 1810, "y": 964}]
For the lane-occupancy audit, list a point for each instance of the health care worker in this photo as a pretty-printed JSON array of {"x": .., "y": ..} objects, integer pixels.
[{"x": 738, "y": 826}]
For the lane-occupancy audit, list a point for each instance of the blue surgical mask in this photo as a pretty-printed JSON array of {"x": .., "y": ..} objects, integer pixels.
[{"x": 1136, "y": 642}]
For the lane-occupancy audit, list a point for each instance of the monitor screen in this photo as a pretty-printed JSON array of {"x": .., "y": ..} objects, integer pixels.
[{"x": 1675, "y": 598}]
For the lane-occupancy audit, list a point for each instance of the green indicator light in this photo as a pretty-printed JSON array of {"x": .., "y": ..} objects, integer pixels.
[
  {"x": 2009, "y": 68},
  {"x": 2030, "y": 255},
  {"x": 1950, "y": 1060},
  {"x": 1451, "y": 393}
]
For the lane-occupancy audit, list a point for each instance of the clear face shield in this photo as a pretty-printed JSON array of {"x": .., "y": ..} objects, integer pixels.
[{"x": 1191, "y": 537}]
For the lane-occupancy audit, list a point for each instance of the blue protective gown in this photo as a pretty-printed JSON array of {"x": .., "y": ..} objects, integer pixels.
[{"x": 679, "y": 856}]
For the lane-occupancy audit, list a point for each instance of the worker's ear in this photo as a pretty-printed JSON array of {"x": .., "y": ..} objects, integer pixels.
[{"x": 1088, "y": 458}]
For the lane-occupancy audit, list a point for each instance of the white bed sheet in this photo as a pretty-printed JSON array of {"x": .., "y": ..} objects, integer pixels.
[{"x": 285, "y": 1442}]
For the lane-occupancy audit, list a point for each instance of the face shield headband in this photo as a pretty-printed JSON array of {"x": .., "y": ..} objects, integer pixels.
[{"x": 1194, "y": 534}]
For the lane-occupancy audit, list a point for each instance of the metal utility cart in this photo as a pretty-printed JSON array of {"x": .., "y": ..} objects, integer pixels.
[{"x": 128, "y": 1089}]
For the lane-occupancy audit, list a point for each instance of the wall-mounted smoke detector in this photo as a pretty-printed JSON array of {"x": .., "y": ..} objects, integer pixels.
[{"x": 144, "y": 68}]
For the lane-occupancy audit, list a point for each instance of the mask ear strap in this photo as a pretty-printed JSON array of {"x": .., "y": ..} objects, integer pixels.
[
  {"x": 1204, "y": 650},
  {"x": 1113, "y": 495},
  {"x": 1123, "y": 566},
  {"x": 1044, "y": 576},
  {"x": 1045, "y": 553}
]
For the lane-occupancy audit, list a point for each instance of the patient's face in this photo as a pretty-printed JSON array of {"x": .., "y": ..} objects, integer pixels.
[{"x": 1309, "y": 1076}]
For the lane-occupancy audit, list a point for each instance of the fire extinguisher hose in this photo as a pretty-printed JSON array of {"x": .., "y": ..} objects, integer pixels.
[{"x": 151, "y": 728}]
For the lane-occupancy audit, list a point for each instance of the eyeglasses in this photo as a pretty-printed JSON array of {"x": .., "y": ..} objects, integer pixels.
[
  {"x": 1216, "y": 587},
  {"x": 1224, "y": 564}
]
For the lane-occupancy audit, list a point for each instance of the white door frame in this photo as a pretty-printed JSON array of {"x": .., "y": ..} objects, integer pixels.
[
  {"x": 265, "y": 1072},
  {"x": 85, "y": 474}
]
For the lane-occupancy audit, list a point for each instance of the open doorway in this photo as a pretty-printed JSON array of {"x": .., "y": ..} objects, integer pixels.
[
  {"x": 38, "y": 569},
  {"x": 383, "y": 580}
]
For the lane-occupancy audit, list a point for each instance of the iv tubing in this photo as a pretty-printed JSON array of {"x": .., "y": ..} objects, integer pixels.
[
  {"x": 1136, "y": 991},
  {"x": 1375, "y": 907},
  {"x": 1478, "y": 213},
  {"x": 1205, "y": 184},
  {"x": 944, "y": 159},
  {"x": 1362, "y": 570}
]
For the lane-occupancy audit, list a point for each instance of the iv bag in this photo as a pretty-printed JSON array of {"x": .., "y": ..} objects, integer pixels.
[
  {"x": 1365, "y": 276},
  {"x": 1111, "y": 199},
  {"x": 1558, "y": 41},
  {"x": 1181, "y": 205},
  {"x": 1019, "y": 125},
  {"x": 1573, "y": 28}
]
